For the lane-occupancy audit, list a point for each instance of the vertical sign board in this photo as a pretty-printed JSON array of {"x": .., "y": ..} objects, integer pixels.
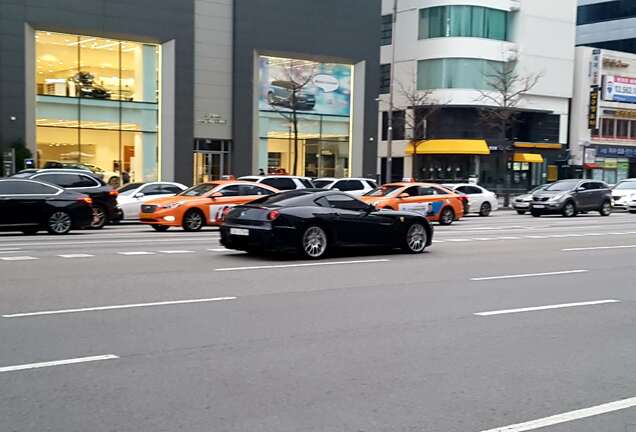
[
  {"x": 592, "y": 115},
  {"x": 8, "y": 163},
  {"x": 595, "y": 85}
]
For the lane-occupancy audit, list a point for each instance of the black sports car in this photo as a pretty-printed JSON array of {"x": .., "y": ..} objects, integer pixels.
[
  {"x": 30, "y": 206},
  {"x": 312, "y": 222}
]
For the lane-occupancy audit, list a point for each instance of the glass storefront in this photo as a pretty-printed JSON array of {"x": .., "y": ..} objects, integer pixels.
[
  {"x": 317, "y": 98},
  {"x": 97, "y": 105}
]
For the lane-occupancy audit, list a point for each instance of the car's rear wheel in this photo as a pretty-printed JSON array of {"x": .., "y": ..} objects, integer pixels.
[
  {"x": 416, "y": 239},
  {"x": 447, "y": 216},
  {"x": 521, "y": 212},
  {"x": 59, "y": 223},
  {"x": 160, "y": 228},
  {"x": 485, "y": 209},
  {"x": 569, "y": 209},
  {"x": 193, "y": 221},
  {"x": 314, "y": 242},
  {"x": 606, "y": 209},
  {"x": 99, "y": 217}
]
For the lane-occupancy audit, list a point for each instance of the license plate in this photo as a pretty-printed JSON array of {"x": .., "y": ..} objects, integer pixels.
[
  {"x": 239, "y": 231},
  {"x": 521, "y": 205},
  {"x": 538, "y": 206}
]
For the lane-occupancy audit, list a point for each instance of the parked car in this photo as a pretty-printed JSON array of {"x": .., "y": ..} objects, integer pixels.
[
  {"x": 435, "y": 202},
  {"x": 623, "y": 193},
  {"x": 521, "y": 203},
  {"x": 570, "y": 197},
  {"x": 110, "y": 177},
  {"x": 281, "y": 182},
  {"x": 104, "y": 196},
  {"x": 631, "y": 205},
  {"x": 281, "y": 93},
  {"x": 480, "y": 200},
  {"x": 352, "y": 186},
  {"x": 313, "y": 223},
  {"x": 133, "y": 195},
  {"x": 31, "y": 206},
  {"x": 200, "y": 205}
]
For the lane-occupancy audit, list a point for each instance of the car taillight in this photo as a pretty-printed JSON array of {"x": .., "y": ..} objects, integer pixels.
[
  {"x": 273, "y": 215},
  {"x": 87, "y": 200},
  {"x": 113, "y": 193}
]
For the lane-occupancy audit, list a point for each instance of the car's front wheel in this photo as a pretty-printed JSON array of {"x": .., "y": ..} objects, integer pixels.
[
  {"x": 193, "y": 221},
  {"x": 416, "y": 239},
  {"x": 569, "y": 209},
  {"x": 485, "y": 209},
  {"x": 606, "y": 209},
  {"x": 314, "y": 242},
  {"x": 59, "y": 223},
  {"x": 447, "y": 216}
]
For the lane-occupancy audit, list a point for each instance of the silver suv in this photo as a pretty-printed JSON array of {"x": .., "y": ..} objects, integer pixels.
[{"x": 570, "y": 197}]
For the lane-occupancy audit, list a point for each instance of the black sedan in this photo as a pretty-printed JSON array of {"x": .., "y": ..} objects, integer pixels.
[
  {"x": 104, "y": 197},
  {"x": 312, "y": 223},
  {"x": 30, "y": 206}
]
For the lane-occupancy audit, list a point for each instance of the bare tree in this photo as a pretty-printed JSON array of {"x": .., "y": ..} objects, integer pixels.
[
  {"x": 298, "y": 75},
  {"x": 506, "y": 87},
  {"x": 418, "y": 106}
]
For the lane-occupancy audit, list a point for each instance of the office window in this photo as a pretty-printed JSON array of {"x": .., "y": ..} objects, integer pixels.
[
  {"x": 463, "y": 21},
  {"x": 606, "y": 11},
  {"x": 385, "y": 78},
  {"x": 455, "y": 73},
  {"x": 399, "y": 124},
  {"x": 386, "y": 30}
]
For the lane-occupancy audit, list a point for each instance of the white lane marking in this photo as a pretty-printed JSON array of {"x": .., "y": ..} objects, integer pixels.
[
  {"x": 517, "y": 276},
  {"x": 437, "y": 241},
  {"x": 458, "y": 240},
  {"x": 598, "y": 248},
  {"x": 18, "y": 258},
  {"x": 539, "y": 308},
  {"x": 76, "y": 256},
  {"x": 483, "y": 238},
  {"x": 58, "y": 363},
  {"x": 176, "y": 251},
  {"x": 302, "y": 265},
  {"x": 567, "y": 416},
  {"x": 115, "y": 307},
  {"x": 508, "y": 238},
  {"x": 536, "y": 236},
  {"x": 75, "y": 243},
  {"x": 135, "y": 253},
  {"x": 219, "y": 250}
]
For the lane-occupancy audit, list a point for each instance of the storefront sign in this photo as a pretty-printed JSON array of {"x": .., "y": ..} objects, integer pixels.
[
  {"x": 595, "y": 68},
  {"x": 615, "y": 63},
  {"x": 592, "y": 115},
  {"x": 617, "y": 152},
  {"x": 629, "y": 114},
  {"x": 619, "y": 89}
]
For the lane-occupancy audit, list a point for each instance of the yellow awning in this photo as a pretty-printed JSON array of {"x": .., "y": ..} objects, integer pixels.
[
  {"x": 551, "y": 146},
  {"x": 528, "y": 157},
  {"x": 449, "y": 147}
]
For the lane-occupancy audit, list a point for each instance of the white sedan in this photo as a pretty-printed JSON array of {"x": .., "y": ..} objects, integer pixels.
[
  {"x": 133, "y": 195},
  {"x": 480, "y": 200},
  {"x": 352, "y": 186},
  {"x": 624, "y": 194}
]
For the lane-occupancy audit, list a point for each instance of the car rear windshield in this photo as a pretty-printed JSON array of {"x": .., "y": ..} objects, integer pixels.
[
  {"x": 286, "y": 199},
  {"x": 383, "y": 191},
  {"x": 626, "y": 185},
  {"x": 127, "y": 190},
  {"x": 322, "y": 183},
  {"x": 562, "y": 186},
  {"x": 199, "y": 190}
]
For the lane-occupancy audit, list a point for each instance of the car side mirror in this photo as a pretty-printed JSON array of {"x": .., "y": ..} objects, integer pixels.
[
  {"x": 216, "y": 195},
  {"x": 403, "y": 195},
  {"x": 139, "y": 195}
]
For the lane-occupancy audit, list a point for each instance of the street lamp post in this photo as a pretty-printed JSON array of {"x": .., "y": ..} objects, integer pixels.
[{"x": 389, "y": 142}]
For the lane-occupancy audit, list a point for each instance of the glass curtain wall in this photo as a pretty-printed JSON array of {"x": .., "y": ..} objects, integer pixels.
[
  {"x": 447, "y": 73},
  {"x": 463, "y": 21},
  {"x": 97, "y": 105}
]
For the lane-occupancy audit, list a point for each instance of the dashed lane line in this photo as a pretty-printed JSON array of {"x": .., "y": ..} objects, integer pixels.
[
  {"x": 283, "y": 266},
  {"x": 136, "y": 253},
  {"x": 548, "y": 307},
  {"x": 598, "y": 248},
  {"x": 528, "y": 275},
  {"x": 57, "y": 363},
  {"x": 19, "y": 258},
  {"x": 76, "y": 256},
  {"x": 95, "y": 243},
  {"x": 176, "y": 252}
]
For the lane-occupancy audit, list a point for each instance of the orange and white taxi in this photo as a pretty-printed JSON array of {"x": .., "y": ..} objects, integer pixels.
[
  {"x": 437, "y": 203},
  {"x": 200, "y": 205}
]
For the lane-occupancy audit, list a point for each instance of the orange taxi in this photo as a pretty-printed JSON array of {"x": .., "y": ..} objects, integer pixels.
[
  {"x": 200, "y": 205},
  {"x": 436, "y": 202}
]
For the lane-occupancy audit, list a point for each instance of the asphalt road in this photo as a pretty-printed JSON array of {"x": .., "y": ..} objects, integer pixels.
[{"x": 507, "y": 323}]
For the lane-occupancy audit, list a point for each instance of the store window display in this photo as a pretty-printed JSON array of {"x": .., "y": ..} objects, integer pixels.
[{"x": 98, "y": 104}]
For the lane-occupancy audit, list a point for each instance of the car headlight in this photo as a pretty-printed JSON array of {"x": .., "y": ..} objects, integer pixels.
[
  {"x": 557, "y": 197},
  {"x": 173, "y": 205}
]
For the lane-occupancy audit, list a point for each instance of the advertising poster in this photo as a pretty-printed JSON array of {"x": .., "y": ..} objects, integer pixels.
[
  {"x": 310, "y": 87},
  {"x": 619, "y": 89}
]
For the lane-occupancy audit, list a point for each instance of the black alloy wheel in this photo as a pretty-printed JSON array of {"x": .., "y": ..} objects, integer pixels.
[
  {"x": 606, "y": 209},
  {"x": 447, "y": 216},
  {"x": 160, "y": 228},
  {"x": 59, "y": 223},
  {"x": 193, "y": 221},
  {"x": 485, "y": 209},
  {"x": 569, "y": 209},
  {"x": 314, "y": 242},
  {"x": 416, "y": 239},
  {"x": 99, "y": 217}
]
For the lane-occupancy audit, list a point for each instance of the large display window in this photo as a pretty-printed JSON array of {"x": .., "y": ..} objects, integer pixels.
[
  {"x": 97, "y": 104},
  {"x": 304, "y": 117}
]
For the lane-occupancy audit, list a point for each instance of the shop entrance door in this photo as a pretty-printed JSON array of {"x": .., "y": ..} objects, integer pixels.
[{"x": 208, "y": 166}]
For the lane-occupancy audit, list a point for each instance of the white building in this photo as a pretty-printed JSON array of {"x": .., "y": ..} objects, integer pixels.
[
  {"x": 603, "y": 123},
  {"x": 447, "y": 47}
]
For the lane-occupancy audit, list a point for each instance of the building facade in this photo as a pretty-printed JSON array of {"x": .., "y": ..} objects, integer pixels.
[
  {"x": 607, "y": 24},
  {"x": 603, "y": 123},
  {"x": 192, "y": 90},
  {"x": 446, "y": 53}
]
